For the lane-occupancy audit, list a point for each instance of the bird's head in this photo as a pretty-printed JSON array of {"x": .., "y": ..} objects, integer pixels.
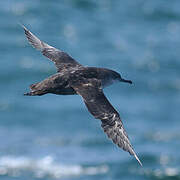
[
  {"x": 109, "y": 77},
  {"x": 124, "y": 80},
  {"x": 117, "y": 76}
]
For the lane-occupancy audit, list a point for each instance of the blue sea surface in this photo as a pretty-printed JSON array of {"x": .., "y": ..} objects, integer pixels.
[{"x": 54, "y": 137}]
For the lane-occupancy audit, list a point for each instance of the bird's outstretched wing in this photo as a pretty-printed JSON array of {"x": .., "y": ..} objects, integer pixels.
[
  {"x": 61, "y": 59},
  {"x": 99, "y": 106}
]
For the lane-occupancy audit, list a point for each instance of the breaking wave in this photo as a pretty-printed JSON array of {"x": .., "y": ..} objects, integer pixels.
[
  {"x": 168, "y": 172},
  {"x": 45, "y": 167}
]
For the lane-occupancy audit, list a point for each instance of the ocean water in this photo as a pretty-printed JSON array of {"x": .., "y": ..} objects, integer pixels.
[{"x": 55, "y": 137}]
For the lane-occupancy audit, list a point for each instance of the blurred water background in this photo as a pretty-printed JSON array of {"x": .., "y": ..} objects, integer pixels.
[{"x": 54, "y": 137}]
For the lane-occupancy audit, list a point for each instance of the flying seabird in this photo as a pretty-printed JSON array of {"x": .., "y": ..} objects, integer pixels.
[{"x": 73, "y": 78}]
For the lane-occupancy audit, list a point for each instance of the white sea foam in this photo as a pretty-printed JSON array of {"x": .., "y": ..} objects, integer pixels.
[
  {"x": 163, "y": 173},
  {"x": 158, "y": 173},
  {"x": 45, "y": 167}
]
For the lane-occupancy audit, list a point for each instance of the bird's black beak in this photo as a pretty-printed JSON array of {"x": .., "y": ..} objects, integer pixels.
[{"x": 126, "y": 81}]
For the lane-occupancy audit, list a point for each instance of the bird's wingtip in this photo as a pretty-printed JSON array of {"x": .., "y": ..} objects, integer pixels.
[
  {"x": 138, "y": 160},
  {"x": 22, "y": 25}
]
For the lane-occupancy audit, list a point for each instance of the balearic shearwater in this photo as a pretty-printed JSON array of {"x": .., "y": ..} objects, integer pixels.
[{"x": 73, "y": 78}]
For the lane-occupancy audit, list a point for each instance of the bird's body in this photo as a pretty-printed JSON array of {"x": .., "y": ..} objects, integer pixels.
[
  {"x": 73, "y": 78},
  {"x": 60, "y": 83}
]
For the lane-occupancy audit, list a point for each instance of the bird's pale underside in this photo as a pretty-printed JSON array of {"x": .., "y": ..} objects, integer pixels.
[{"x": 73, "y": 78}]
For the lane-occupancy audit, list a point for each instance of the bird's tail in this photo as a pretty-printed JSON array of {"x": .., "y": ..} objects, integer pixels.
[
  {"x": 35, "y": 93},
  {"x": 35, "y": 90}
]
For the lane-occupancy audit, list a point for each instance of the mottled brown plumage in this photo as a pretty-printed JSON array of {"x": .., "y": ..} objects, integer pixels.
[{"x": 73, "y": 78}]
